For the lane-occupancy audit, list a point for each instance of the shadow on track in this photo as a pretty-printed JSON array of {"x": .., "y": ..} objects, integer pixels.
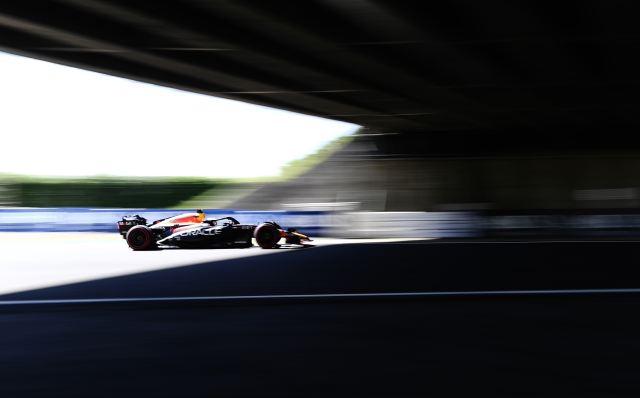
[
  {"x": 345, "y": 347},
  {"x": 376, "y": 268}
]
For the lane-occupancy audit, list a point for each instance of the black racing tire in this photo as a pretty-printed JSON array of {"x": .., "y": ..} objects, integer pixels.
[
  {"x": 267, "y": 236},
  {"x": 141, "y": 237}
]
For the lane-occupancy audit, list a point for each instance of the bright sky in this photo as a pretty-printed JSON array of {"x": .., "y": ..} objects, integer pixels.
[{"x": 56, "y": 120}]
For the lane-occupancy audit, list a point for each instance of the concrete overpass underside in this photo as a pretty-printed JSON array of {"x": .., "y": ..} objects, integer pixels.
[{"x": 517, "y": 68}]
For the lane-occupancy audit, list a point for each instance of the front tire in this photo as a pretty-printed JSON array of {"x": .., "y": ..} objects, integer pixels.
[
  {"x": 141, "y": 237},
  {"x": 267, "y": 236}
]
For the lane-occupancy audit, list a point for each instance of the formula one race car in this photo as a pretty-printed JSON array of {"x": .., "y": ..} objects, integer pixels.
[{"x": 192, "y": 230}]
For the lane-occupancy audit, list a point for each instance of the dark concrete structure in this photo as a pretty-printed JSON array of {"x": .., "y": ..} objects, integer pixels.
[
  {"x": 361, "y": 177},
  {"x": 454, "y": 77}
]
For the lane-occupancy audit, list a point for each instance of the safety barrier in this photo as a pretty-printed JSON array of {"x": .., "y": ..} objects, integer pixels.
[
  {"x": 404, "y": 225},
  {"x": 314, "y": 223},
  {"x": 586, "y": 223},
  {"x": 104, "y": 220},
  {"x": 353, "y": 224}
]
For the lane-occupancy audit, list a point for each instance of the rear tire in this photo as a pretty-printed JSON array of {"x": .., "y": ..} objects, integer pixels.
[
  {"x": 267, "y": 236},
  {"x": 141, "y": 237}
]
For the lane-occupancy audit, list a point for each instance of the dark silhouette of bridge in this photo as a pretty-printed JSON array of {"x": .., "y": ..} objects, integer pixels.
[{"x": 450, "y": 77}]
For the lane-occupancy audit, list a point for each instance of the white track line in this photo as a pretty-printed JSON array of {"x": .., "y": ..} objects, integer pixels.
[{"x": 312, "y": 296}]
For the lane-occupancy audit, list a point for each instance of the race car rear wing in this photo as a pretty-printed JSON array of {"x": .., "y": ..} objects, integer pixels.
[{"x": 129, "y": 222}]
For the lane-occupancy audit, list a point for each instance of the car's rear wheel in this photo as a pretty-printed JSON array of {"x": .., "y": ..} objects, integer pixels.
[
  {"x": 267, "y": 236},
  {"x": 141, "y": 237}
]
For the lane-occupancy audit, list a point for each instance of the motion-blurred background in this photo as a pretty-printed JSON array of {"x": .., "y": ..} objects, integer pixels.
[{"x": 521, "y": 117}]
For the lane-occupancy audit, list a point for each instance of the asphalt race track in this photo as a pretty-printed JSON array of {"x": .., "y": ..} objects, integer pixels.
[
  {"x": 36, "y": 260},
  {"x": 318, "y": 322}
]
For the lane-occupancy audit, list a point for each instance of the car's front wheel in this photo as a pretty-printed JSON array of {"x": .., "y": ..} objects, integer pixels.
[{"x": 267, "y": 236}]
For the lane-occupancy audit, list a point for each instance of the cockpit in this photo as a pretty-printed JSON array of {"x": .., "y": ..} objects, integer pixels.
[{"x": 224, "y": 221}]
